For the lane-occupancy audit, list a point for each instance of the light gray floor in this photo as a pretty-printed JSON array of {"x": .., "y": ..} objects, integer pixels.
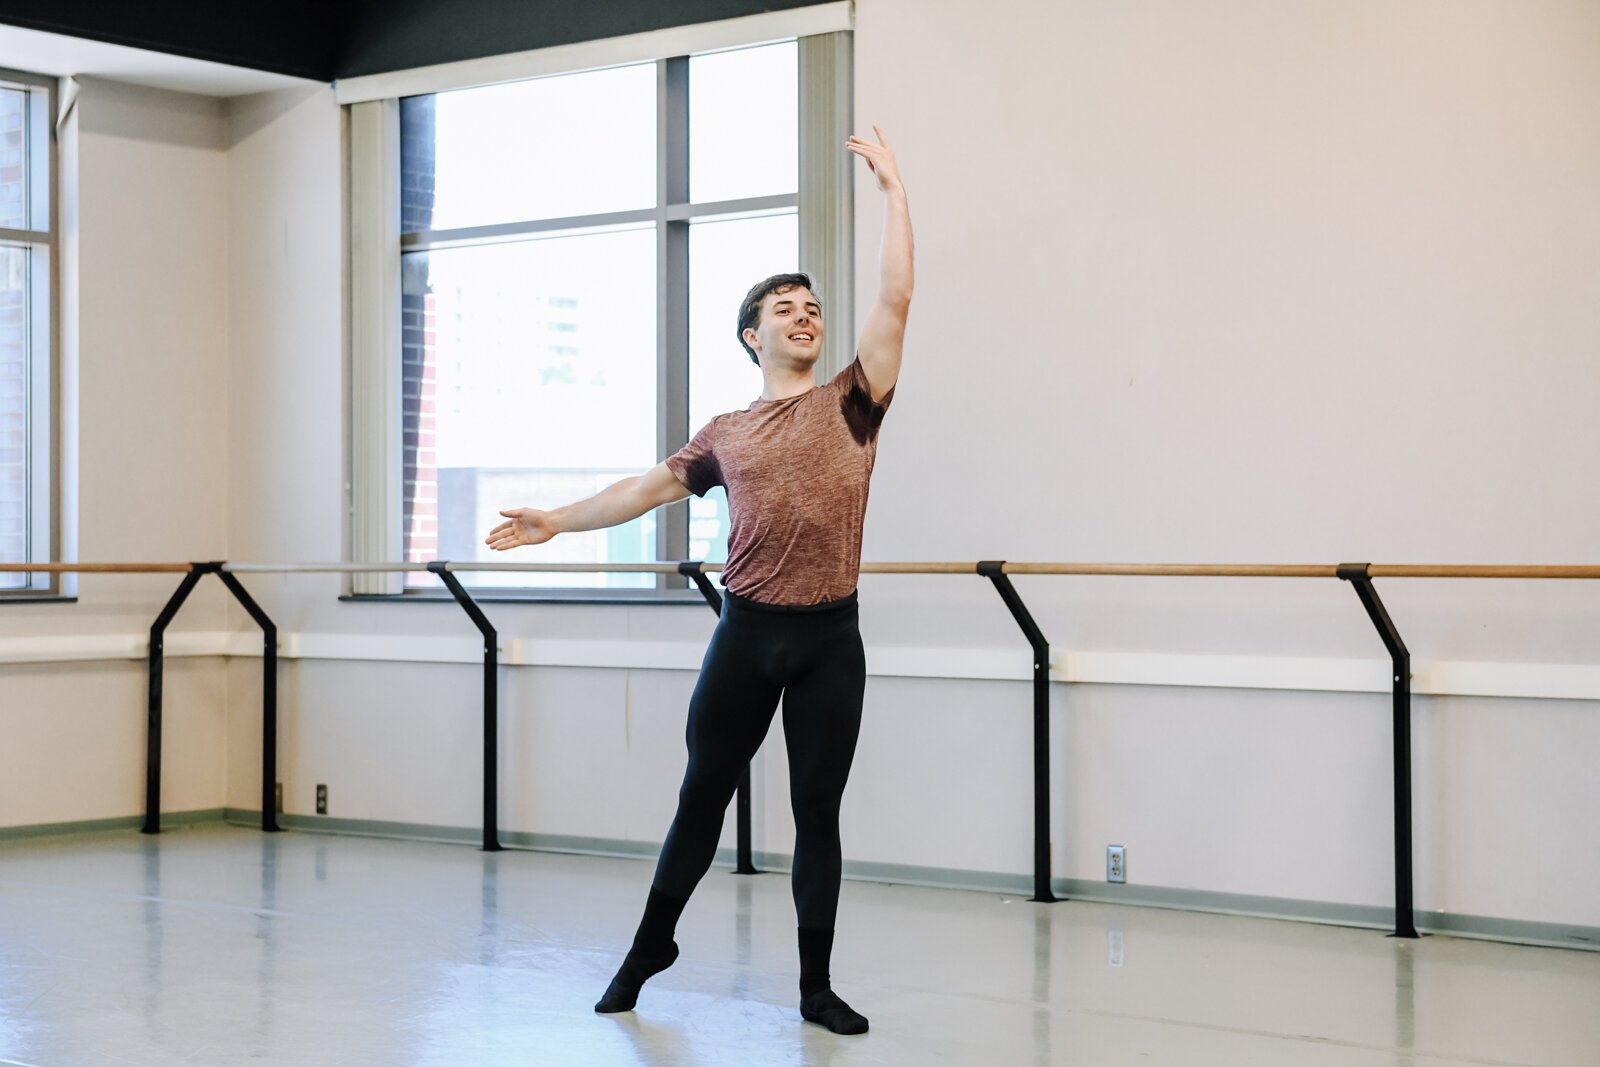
[{"x": 216, "y": 945}]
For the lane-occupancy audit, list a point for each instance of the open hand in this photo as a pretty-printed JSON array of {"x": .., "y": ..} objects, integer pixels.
[
  {"x": 526, "y": 526},
  {"x": 880, "y": 159}
]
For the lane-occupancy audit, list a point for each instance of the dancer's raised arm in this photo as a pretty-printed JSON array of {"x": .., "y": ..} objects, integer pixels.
[{"x": 883, "y": 333}]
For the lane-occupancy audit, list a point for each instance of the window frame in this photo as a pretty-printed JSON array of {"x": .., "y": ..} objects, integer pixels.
[
  {"x": 823, "y": 203},
  {"x": 41, "y": 420}
]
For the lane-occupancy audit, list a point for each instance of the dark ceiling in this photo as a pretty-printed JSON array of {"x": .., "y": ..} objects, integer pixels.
[{"x": 335, "y": 39}]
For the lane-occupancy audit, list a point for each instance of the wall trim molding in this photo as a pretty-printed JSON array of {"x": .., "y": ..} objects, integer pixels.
[
  {"x": 1332, "y": 913},
  {"x": 1543, "y": 681},
  {"x": 170, "y": 820}
]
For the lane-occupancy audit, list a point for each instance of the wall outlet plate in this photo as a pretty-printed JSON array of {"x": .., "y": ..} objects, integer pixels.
[
  {"x": 322, "y": 799},
  {"x": 1116, "y": 863}
]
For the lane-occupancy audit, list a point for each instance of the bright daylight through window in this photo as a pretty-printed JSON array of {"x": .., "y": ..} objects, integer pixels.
[
  {"x": 574, "y": 251},
  {"x": 27, "y": 242}
]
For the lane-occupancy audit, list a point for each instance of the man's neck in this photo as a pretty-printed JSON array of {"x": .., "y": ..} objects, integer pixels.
[{"x": 781, "y": 383}]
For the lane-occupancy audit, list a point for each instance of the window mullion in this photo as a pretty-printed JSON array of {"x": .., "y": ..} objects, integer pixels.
[
  {"x": 827, "y": 188},
  {"x": 672, "y": 295}
]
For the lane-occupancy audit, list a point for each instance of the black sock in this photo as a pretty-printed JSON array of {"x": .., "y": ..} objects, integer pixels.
[
  {"x": 818, "y": 1002},
  {"x": 816, "y": 946},
  {"x": 653, "y": 952}
]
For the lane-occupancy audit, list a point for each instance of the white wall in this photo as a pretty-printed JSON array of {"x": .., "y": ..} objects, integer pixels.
[
  {"x": 285, "y": 325},
  {"x": 1248, "y": 281},
  {"x": 1226, "y": 281},
  {"x": 146, "y": 174},
  {"x": 1268, "y": 283}
]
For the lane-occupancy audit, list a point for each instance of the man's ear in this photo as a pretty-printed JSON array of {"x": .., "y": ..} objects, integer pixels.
[{"x": 751, "y": 339}]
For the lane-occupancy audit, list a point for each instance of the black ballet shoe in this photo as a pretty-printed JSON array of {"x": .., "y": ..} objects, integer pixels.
[
  {"x": 623, "y": 992},
  {"x": 827, "y": 1009}
]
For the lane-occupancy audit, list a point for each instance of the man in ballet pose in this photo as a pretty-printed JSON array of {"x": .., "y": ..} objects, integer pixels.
[{"x": 796, "y": 464}]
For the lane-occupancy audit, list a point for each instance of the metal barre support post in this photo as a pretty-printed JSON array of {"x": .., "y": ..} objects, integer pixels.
[
  {"x": 744, "y": 862},
  {"x": 1357, "y": 574},
  {"x": 269, "y": 700},
  {"x": 994, "y": 571},
  {"x": 156, "y": 671},
  {"x": 491, "y": 702}
]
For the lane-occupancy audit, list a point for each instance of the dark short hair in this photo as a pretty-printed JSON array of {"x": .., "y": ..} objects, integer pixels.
[{"x": 750, "y": 310}]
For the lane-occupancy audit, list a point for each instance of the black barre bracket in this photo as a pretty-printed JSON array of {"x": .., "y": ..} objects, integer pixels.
[
  {"x": 491, "y": 702},
  {"x": 269, "y": 696},
  {"x": 994, "y": 571},
  {"x": 155, "y": 675},
  {"x": 269, "y": 699},
  {"x": 1359, "y": 576},
  {"x": 744, "y": 862},
  {"x": 693, "y": 571}
]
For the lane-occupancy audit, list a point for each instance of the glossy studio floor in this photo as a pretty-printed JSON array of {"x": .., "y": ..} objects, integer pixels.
[{"x": 220, "y": 945}]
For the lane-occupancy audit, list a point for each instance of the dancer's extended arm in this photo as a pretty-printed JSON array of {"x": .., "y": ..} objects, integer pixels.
[{"x": 612, "y": 506}]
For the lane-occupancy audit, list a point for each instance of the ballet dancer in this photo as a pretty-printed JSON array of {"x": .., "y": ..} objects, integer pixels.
[{"x": 796, "y": 464}]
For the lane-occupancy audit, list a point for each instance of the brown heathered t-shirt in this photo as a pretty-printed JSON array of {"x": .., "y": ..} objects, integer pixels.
[{"x": 796, "y": 471}]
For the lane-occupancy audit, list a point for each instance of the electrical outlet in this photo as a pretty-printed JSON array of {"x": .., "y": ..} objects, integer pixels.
[
  {"x": 322, "y": 799},
  {"x": 277, "y": 798},
  {"x": 1116, "y": 864}
]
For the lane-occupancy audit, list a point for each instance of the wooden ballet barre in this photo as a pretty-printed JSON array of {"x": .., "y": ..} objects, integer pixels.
[
  {"x": 96, "y": 568},
  {"x": 399, "y": 568},
  {"x": 1406, "y": 570},
  {"x": 1236, "y": 570},
  {"x": 452, "y": 567},
  {"x": 323, "y": 568},
  {"x": 1202, "y": 570},
  {"x": 1196, "y": 570},
  {"x": 1222, "y": 569},
  {"x": 919, "y": 568},
  {"x": 1245, "y": 570},
  {"x": 578, "y": 568}
]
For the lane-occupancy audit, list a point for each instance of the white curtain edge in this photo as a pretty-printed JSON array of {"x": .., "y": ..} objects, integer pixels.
[{"x": 376, "y": 487}]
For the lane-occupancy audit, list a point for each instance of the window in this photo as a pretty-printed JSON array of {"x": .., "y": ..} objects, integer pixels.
[
  {"x": 27, "y": 334},
  {"x": 573, "y": 251}
]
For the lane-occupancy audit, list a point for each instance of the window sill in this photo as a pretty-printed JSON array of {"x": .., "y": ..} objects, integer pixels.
[{"x": 37, "y": 598}]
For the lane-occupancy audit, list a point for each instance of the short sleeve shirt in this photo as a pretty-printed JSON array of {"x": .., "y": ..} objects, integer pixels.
[{"x": 797, "y": 472}]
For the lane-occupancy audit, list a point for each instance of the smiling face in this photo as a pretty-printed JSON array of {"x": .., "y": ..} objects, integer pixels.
[{"x": 790, "y": 330}]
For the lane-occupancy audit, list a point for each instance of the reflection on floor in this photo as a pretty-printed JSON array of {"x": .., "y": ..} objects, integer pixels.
[{"x": 217, "y": 945}]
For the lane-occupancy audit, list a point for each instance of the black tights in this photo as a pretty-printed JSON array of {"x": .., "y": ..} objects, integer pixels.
[{"x": 812, "y": 658}]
